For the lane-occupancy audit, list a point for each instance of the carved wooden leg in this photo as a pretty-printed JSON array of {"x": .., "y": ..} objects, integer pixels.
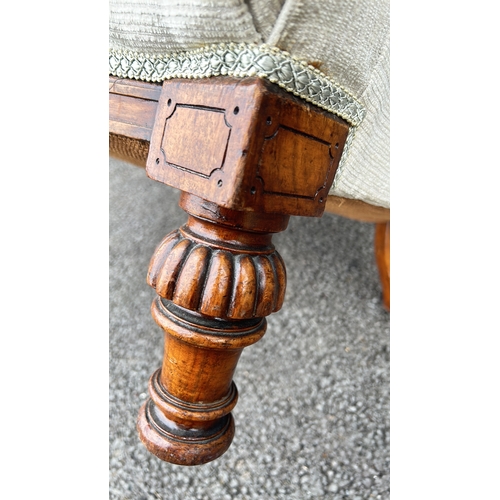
[
  {"x": 383, "y": 257},
  {"x": 245, "y": 155},
  {"x": 217, "y": 277}
]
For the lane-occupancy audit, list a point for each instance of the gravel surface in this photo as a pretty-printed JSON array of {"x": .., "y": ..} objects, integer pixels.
[{"x": 312, "y": 420}]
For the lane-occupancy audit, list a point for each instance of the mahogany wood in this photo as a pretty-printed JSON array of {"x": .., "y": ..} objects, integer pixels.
[
  {"x": 383, "y": 258},
  {"x": 132, "y": 112},
  {"x": 132, "y": 107},
  {"x": 357, "y": 210},
  {"x": 217, "y": 277},
  {"x": 128, "y": 129},
  {"x": 245, "y": 144},
  {"x": 246, "y": 155}
]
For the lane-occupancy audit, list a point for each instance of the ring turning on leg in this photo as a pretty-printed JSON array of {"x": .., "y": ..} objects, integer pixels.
[{"x": 215, "y": 284}]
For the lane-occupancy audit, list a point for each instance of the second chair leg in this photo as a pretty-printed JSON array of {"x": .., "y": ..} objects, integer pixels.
[{"x": 383, "y": 258}]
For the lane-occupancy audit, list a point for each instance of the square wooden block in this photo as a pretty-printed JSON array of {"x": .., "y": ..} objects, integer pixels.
[{"x": 245, "y": 144}]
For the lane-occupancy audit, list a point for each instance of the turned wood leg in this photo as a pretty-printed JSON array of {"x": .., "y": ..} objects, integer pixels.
[
  {"x": 217, "y": 277},
  {"x": 245, "y": 156},
  {"x": 383, "y": 258}
]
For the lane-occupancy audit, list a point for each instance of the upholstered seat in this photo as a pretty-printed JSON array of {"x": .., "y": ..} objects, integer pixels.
[{"x": 333, "y": 53}]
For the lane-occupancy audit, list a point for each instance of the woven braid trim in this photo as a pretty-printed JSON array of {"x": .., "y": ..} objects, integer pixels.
[{"x": 242, "y": 60}]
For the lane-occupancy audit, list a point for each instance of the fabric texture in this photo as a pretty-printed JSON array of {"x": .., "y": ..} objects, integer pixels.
[
  {"x": 349, "y": 41},
  {"x": 345, "y": 41},
  {"x": 265, "y": 14},
  {"x": 162, "y": 26}
]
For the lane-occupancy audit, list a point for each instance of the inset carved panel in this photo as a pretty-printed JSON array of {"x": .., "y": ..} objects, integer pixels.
[
  {"x": 294, "y": 163},
  {"x": 246, "y": 145},
  {"x": 195, "y": 138}
]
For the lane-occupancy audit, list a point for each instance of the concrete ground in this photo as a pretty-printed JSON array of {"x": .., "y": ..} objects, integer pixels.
[{"x": 312, "y": 420}]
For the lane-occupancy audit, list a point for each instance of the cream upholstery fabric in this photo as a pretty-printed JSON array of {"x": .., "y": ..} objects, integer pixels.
[
  {"x": 162, "y": 26},
  {"x": 348, "y": 40}
]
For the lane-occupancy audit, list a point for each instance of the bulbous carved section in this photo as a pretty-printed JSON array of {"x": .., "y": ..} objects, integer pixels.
[{"x": 220, "y": 282}]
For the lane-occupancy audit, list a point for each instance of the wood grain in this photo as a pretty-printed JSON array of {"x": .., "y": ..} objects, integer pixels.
[
  {"x": 246, "y": 155},
  {"x": 132, "y": 108},
  {"x": 216, "y": 278},
  {"x": 127, "y": 147},
  {"x": 356, "y": 210},
  {"x": 245, "y": 144}
]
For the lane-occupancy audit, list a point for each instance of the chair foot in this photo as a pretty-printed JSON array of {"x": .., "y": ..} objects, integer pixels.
[{"x": 176, "y": 445}]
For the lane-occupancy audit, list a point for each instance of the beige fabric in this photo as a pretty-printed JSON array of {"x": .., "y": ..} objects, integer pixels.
[
  {"x": 350, "y": 41},
  {"x": 347, "y": 39},
  {"x": 161, "y": 26},
  {"x": 265, "y": 14}
]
